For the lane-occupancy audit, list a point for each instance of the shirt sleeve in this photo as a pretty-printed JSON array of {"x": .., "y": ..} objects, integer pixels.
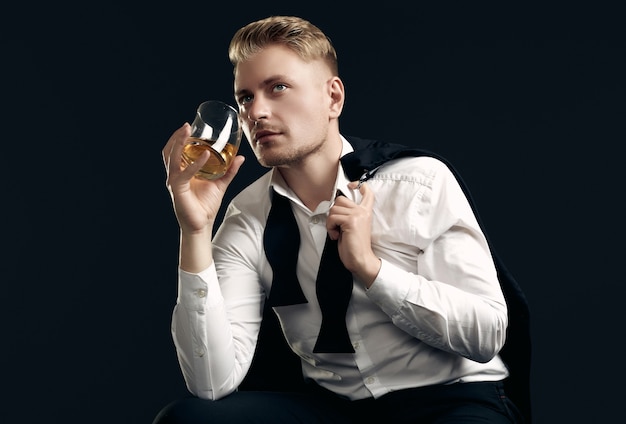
[
  {"x": 217, "y": 317},
  {"x": 453, "y": 301},
  {"x": 198, "y": 321}
]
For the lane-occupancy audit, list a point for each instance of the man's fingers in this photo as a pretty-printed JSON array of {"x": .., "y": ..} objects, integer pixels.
[
  {"x": 232, "y": 170},
  {"x": 367, "y": 196},
  {"x": 174, "y": 147},
  {"x": 193, "y": 168}
]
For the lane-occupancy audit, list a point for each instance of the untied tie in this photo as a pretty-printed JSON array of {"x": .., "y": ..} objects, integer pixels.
[{"x": 333, "y": 285}]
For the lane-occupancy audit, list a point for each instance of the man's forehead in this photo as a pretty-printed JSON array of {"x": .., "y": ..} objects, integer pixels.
[
  {"x": 270, "y": 57},
  {"x": 271, "y": 64}
]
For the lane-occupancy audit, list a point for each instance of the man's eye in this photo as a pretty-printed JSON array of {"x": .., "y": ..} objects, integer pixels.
[
  {"x": 245, "y": 99},
  {"x": 279, "y": 87}
]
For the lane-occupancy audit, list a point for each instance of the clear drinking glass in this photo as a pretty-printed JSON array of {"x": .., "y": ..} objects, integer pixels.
[{"x": 216, "y": 128}]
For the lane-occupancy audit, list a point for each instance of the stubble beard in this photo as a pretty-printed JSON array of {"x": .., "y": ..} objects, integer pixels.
[{"x": 290, "y": 157}]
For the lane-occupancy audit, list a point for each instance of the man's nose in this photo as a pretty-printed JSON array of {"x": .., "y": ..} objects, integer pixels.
[{"x": 258, "y": 109}]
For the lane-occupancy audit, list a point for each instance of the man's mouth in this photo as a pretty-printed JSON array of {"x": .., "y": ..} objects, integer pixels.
[{"x": 262, "y": 136}]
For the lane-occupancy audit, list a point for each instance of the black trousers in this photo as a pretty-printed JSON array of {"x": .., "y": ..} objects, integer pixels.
[{"x": 465, "y": 403}]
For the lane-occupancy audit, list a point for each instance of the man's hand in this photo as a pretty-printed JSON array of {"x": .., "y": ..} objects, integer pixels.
[
  {"x": 351, "y": 225},
  {"x": 196, "y": 201}
]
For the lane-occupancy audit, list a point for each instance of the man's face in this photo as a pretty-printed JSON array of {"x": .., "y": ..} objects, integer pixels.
[{"x": 285, "y": 105}]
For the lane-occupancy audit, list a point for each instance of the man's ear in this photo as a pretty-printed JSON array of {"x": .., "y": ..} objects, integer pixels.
[{"x": 337, "y": 96}]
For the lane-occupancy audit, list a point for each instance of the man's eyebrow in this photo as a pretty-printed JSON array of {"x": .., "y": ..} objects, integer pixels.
[{"x": 241, "y": 92}]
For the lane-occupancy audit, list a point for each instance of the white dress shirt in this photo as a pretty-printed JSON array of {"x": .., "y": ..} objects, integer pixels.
[{"x": 435, "y": 313}]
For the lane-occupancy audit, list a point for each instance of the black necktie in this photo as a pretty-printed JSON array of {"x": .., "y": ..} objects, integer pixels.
[
  {"x": 333, "y": 286},
  {"x": 281, "y": 241}
]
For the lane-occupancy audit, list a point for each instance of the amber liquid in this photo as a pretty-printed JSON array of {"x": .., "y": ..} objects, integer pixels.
[{"x": 218, "y": 162}]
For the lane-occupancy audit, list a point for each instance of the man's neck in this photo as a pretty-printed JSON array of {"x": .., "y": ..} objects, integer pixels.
[{"x": 313, "y": 180}]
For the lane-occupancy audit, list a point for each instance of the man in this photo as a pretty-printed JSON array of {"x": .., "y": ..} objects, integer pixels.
[{"x": 426, "y": 317}]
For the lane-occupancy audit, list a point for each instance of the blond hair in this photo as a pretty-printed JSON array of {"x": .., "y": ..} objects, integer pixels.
[{"x": 298, "y": 34}]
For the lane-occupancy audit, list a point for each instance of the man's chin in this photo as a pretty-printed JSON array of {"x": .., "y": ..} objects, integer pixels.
[{"x": 267, "y": 158}]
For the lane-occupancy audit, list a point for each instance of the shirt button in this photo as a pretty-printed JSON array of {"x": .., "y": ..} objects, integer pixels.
[
  {"x": 356, "y": 346},
  {"x": 370, "y": 380},
  {"x": 201, "y": 293},
  {"x": 315, "y": 220},
  {"x": 199, "y": 351}
]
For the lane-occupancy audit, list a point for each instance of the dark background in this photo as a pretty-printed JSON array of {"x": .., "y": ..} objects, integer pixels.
[{"x": 527, "y": 103}]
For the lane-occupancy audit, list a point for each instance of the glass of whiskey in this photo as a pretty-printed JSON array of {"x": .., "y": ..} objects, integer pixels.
[{"x": 216, "y": 128}]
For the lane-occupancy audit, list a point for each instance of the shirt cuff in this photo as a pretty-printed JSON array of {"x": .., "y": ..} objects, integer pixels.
[
  {"x": 199, "y": 291},
  {"x": 389, "y": 290}
]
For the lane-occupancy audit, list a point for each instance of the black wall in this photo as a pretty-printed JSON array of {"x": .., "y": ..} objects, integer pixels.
[{"x": 528, "y": 104}]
